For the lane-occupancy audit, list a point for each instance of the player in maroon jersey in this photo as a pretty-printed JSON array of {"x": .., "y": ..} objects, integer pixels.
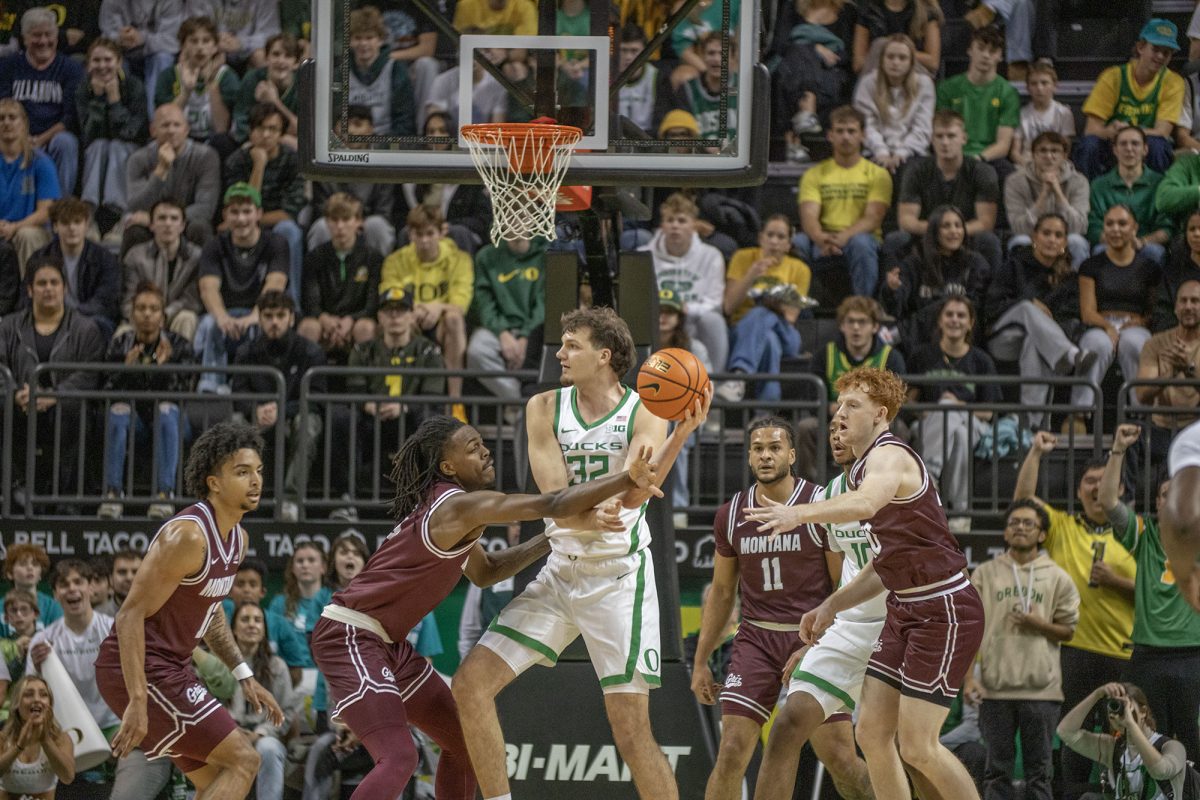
[
  {"x": 377, "y": 682},
  {"x": 779, "y": 579},
  {"x": 934, "y": 616},
  {"x": 144, "y": 668}
]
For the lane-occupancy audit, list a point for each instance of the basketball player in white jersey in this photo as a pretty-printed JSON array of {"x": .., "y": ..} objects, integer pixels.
[
  {"x": 1179, "y": 519},
  {"x": 599, "y": 580},
  {"x": 825, "y": 680}
]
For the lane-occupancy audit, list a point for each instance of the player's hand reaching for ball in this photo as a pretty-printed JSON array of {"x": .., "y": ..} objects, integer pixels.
[
  {"x": 703, "y": 686},
  {"x": 695, "y": 416},
  {"x": 815, "y": 622},
  {"x": 133, "y": 729},
  {"x": 260, "y": 699},
  {"x": 776, "y": 518},
  {"x": 641, "y": 472}
]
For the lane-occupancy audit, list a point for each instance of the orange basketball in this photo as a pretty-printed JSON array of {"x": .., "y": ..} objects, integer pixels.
[{"x": 670, "y": 381}]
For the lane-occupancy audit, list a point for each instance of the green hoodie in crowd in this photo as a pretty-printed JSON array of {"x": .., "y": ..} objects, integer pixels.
[{"x": 510, "y": 289}]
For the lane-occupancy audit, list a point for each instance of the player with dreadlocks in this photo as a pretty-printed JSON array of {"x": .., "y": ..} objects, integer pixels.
[{"x": 377, "y": 682}]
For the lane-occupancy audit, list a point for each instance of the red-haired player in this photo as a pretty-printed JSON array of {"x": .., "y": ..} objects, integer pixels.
[{"x": 934, "y": 616}]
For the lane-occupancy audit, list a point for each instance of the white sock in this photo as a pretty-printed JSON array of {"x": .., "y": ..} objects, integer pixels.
[{"x": 500, "y": 797}]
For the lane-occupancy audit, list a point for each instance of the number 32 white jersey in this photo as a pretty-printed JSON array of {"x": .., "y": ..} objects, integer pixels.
[{"x": 592, "y": 451}]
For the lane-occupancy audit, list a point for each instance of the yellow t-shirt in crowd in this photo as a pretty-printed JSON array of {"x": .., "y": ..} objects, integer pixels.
[
  {"x": 1105, "y": 615},
  {"x": 789, "y": 270},
  {"x": 517, "y": 18},
  {"x": 843, "y": 193},
  {"x": 1103, "y": 101}
]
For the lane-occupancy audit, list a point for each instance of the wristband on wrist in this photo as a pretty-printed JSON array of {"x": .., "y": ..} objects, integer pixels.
[{"x": 242, "y": 671}]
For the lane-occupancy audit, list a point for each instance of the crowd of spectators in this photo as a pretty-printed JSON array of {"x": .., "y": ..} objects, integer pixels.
[{"x": 155, "y": 215}]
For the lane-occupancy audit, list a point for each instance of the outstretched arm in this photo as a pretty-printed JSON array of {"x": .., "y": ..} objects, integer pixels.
[
  {"x": 178, "y": 551},
  {"x": 649, "y": 431},
  {"x": 887, "y": 469},
  {"x": 1027, "y": 478},
  {"x": 485, "y": 568},
  {"x": 463, "y": 513}
]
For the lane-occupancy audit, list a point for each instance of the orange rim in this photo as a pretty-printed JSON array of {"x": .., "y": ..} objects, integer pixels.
[{"x": 525, "y": 142}]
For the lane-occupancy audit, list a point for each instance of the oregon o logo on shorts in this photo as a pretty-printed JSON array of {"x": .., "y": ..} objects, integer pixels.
[{"x": 652, "y": 660}]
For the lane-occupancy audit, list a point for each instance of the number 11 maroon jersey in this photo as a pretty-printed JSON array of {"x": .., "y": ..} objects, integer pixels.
[{"x": 780, "y": 579}]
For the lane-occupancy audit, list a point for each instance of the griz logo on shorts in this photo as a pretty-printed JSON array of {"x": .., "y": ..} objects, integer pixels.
[
  {"x": 196, "y": 693},
  {"x": 733, "y": 680},
  {"x": 388, "y": 676}
]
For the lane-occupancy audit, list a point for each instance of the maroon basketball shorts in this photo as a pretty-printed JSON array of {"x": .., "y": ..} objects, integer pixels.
[
  {"x": 184, "y": 722},
  {"x": 359, "y": 666},
  {"x": 754, "y": 682},
  {"x": 929, "y": 641}
]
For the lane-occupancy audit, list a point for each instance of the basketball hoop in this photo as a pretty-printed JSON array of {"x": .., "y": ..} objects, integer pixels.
[{"x": 522, "y": 164}]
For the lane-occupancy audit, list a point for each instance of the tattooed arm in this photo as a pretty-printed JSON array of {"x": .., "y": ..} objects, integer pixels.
[{"x": 219, "y": 639}]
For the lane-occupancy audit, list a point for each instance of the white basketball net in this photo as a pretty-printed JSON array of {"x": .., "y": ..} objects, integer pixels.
[{"x": 523, "y": 167}]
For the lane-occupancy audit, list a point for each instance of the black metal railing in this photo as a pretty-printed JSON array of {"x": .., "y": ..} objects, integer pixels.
[
  {"x": 355, "y": 446},
  {"x": 364, "y": 452},
  {"x": 7, "y": 387},
  {"x": 89, "y": 409},
  {"x": 999, "y": 467}
]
